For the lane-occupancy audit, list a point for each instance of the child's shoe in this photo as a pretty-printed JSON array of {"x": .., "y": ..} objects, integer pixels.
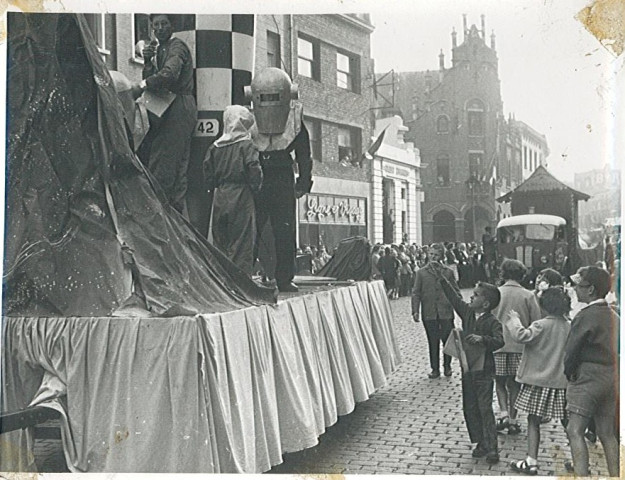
[
  {"x": 514, "y": 429},
  {"x": 503, "y": 423},
  {"x": 523, "y": 467}
]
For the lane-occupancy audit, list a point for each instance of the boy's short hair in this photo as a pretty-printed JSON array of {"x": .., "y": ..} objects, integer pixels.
[
  {"x": 490, "y": 293},
  {"x": 597, "y": 277},
  {"x": 512, "y": 270},
  {"x": 555, "y": 301}
]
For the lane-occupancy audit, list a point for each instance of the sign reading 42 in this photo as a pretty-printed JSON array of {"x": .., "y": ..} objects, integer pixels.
[{"x": 206, "y": 127}]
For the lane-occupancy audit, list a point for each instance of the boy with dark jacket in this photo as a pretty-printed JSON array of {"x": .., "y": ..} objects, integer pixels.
[{"x": 480, "y": 327}]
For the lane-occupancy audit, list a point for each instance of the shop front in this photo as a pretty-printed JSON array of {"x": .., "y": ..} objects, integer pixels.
[{"x": 328, "y": 219}]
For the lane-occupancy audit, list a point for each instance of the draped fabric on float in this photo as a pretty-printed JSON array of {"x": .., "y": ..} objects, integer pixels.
[
  {"x": 227, "y": 392},
  {"x": 351, "y": 261},
  {"x": 88, "y": 230}
]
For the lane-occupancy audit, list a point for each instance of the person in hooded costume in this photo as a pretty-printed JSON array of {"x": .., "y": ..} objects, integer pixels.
[{"x": 232, "y": 171}]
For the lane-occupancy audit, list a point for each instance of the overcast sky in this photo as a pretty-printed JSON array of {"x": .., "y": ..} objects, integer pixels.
[{"x": 555, "y": 76}]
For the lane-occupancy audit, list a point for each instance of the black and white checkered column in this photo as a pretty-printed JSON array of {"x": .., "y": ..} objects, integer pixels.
[{"x": 223, "y": 50}]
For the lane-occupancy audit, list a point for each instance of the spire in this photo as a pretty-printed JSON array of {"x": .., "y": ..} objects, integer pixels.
[
  {"x": 483, "y": 17},
  {"x": 464, "y": 26},
  {"x": 441, "y": 60},
  {"x": 492, "y": 40},
  {"x": 454, "y": 40}
]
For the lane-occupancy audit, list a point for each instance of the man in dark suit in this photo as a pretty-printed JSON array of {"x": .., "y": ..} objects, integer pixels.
[{"x": 429, "y": 302}]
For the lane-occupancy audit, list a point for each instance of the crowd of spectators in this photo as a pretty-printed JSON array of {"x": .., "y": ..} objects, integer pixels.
[{"x": 467, "y": 261}]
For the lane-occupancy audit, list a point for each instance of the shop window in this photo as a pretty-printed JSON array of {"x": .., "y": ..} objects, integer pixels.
[
  {"x": 442, "y": 171},
  {"x": 348, "y": 140},
  {"x": 273, "y": 50},
  {"x": 314, "y": 132},
  {"x": 308, "y": 58},
  {"x": 442, "y": 124}
]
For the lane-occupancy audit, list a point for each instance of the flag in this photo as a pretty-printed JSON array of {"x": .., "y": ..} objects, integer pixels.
[{"x": 375, "y": 145}]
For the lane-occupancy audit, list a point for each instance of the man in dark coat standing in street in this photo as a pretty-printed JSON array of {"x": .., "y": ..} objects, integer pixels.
[
  {"x": 436, "y": 311},
  {"x": 165, "y": 151}
]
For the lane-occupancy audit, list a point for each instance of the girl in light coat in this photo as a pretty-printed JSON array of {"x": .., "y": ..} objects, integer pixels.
[{"x": 541, "y": 372}]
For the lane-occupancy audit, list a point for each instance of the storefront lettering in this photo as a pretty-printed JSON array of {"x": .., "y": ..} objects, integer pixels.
[{"x": 341, "y": 209}]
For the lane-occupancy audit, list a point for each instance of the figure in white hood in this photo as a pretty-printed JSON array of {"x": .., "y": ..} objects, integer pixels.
[{"x": 232, "y": 172}]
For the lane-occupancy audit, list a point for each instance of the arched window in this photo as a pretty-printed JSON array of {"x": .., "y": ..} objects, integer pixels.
[
  {"x": 475, "y": 117},
  {"x": 442, "y": 124}
]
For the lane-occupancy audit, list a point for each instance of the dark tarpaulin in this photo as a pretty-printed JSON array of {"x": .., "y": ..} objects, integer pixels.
[
  {"x": 352, "y": 260},
  {"x": 87, "y": 230}
]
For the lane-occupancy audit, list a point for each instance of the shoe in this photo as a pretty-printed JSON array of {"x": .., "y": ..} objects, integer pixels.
[
  {"x": 514, "y": 429},
  {"x": 434, "y": 374},
  {"x": 479, "y": 452},
  {"x": 492, "y": 457},
  {"x": 503, "y": 423},
  {"x": 447, "y": 371},
  {"x": 591, "y": 436},
  {"x": 288, "y": 287},
  {"x": 568, "y": 466},
  {"x": 523, "y": 467}
]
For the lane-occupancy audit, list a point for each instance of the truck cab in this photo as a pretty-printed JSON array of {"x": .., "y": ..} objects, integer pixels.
[{"x": 539, "y": 241}]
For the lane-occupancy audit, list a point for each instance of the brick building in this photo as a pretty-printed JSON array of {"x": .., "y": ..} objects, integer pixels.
[
  {"x": 328, "y": 56},
  {"x": 470, "y": 153}
]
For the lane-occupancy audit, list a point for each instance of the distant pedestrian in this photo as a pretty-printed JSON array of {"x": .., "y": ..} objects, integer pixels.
[
  {"x": 513, "y": 297},
  {"x": 489, "y": 243},
  {"x": 591, "y": 367},
  {"x": 480, "y": 328},
  {"x": 389, "y": 266},
  {"x": 543, "y": 384},
  {"x": 430, "y": 304}
]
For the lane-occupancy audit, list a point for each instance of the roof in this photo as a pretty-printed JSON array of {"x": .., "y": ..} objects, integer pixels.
[
  {"x": 532, "y": 219},
  {"x": 541, "y": 181}
]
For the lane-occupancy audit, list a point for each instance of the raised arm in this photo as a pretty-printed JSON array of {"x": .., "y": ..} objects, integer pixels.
[{"x": 512, "y": 322}]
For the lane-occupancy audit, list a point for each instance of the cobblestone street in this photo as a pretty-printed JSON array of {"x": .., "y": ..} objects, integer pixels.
[{"x": 414, "y": 425}]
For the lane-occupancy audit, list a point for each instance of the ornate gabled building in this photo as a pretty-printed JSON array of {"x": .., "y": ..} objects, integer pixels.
[{"x": 469, "y": 153}]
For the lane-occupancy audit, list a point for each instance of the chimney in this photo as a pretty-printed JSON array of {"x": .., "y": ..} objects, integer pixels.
[
  {"x": 483, "y": 17},
  {"x": 464, "y": 26},
  {"x": 441, "y": 61},
  {"x": 492, "y": 40},
  {"x": 428, "y": 82},
  {"x": 454, "y": 40}
]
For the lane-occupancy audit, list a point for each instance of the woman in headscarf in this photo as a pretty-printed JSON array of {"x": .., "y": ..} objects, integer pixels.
[{"x": 232, "y": 171}]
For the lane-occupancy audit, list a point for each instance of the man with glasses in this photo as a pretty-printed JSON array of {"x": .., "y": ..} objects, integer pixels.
[{"x": 591, "y": 367}]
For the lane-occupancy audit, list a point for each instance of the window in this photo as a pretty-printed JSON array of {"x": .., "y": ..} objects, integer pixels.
[
  {"x": 307, "y": 58},
  {"x": 141, "y": 35},
  {"x": 475, "y": 110},
  {"x": 347, "y": 68},
  {"x": 442, "y": 171},
  {"x": 314, "y": 132},
  {"x": 442, "y": 124},
  {"x": 475, "y": 164},
  {"x": 273, "y": 50},
  {"x": 348, "y": 147},
  {"x": 525, "y": 158},
  {"x": 96, "y": 22}
]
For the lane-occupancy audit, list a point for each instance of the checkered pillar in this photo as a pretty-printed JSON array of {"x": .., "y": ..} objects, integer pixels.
[{"x": 223, "y": 49}]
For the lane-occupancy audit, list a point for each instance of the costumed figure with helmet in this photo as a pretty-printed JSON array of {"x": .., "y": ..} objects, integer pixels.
[{"x": 283, "y": 142}]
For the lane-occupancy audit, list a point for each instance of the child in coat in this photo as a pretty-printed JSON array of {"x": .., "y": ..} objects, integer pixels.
[
  {"x": 480, "y": 327},
  {"x": 541, "y": 372}
]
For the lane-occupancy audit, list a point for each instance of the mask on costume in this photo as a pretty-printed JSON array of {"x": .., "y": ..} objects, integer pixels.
[{"x": 271, "y": 93}]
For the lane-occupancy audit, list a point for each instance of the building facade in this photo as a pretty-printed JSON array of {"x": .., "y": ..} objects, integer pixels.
[
  {"x": 604, "y": 206},
  {"x": 470, "y": 153},
  {"x": 396, "y": 186}
]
